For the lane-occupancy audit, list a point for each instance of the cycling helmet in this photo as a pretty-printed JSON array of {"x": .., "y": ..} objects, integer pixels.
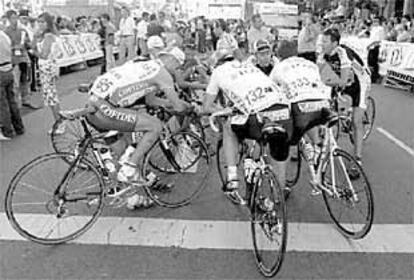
[
  {"x": 261, "y": 46},
  {"x": 222, "y": 55}
]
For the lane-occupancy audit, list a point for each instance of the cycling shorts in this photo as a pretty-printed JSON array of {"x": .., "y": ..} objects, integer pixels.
[
  {"x": 109, "y": 117},
  {"x": 356, "y": 93},
  {"x": 252, "y": 129},
  {"x": 306, "y": 115}
]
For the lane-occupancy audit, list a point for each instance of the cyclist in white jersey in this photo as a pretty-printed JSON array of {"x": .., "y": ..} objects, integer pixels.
[
  {"x": 308, "y": 95},
  {"x": 259, "y": 103}
]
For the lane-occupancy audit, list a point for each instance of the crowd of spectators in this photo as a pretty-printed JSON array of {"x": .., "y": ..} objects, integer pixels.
[{"x": 32, "y": 40}]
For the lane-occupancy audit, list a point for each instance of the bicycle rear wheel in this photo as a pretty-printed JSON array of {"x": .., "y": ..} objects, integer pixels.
[
  {"x": 38, "y": 215},
  {"x": 71, "y": 136},
  {"x": 181, "y": 159},
  {"x": 268, "y": 224},
  {"x": 352, "y": 210}
]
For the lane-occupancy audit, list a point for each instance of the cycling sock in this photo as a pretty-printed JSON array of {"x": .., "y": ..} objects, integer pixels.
[{"x": 231, "y": 173}]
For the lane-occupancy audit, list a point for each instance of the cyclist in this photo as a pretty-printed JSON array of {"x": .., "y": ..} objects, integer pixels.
[
  {"x": 352, "y": 77},
  {"x": 113, "y": 94},
  {"x": 255, "y": 97},
  {"x": 262, "y": 56},
  {"x": 301, "y": 82}
]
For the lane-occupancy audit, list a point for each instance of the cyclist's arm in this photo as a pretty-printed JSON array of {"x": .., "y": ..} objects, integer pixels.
[
  {"x": 182, "y": 83},
  {"x": 346, "y": 68},
  {"x": 213, "y": 89},
  {"x": 166, "y": 84},
  {"x": 152, "y": 100}
]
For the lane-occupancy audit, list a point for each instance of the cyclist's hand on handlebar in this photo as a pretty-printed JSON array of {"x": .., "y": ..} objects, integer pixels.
[{"x": 68, "y": 115}]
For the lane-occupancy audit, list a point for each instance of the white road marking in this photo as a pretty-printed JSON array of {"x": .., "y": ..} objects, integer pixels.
[
  {"x": 398, "y": 142},
  {"x": 224, "y": 235}
]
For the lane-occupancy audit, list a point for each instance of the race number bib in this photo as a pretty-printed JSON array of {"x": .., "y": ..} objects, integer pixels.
[{"x": 104, "y": 86}]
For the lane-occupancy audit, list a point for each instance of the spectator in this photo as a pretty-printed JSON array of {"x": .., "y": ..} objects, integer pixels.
[
  {"x": 209, "y": 37},
  {"x": 307, "y": 40},
  {"x": 200, "y": 36},
  {"x": 44, "y": 48},
  {"x": 154, "y": 28},
  {"x": 108, "y": 30},
  {"x": 392, "y": 33},
  {"x": 257, "y": 31},
  {"x": 404, "y": 35},
  {"x": 377, "y": 30},
  {"x": 10, "y": 119},
  {"x": 20, "y": 59},
  {"x": 127, "y": 36},
  {"x": 164, "y": 22},
  {"x": 142, "y": 30}
]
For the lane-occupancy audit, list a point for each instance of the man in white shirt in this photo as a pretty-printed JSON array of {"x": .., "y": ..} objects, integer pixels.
[
  {"x": 142, "y": 29},
  {"x": 377, "y": 33},
  {"x": 10, "y": 119},
  {"x": 127, "y": 33},
  {"x": 257, "y": 32}
]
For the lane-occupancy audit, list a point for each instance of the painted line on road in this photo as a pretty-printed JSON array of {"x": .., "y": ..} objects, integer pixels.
[
  {"x": 397, "y": 141},
  {"x": 222, "y": 235}
]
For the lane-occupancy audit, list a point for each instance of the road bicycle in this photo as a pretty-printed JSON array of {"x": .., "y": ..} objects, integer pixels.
[
  {"x": 265, "y": 199},
  {"x": 57, "y": 197},
  {"x": 342, "y": 182}
]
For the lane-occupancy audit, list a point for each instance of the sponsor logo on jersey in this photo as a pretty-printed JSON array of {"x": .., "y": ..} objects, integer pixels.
[{"x": 114, "y": 114}]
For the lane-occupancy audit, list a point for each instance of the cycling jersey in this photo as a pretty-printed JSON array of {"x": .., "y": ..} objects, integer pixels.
[
  {"x": 359, "y": 83},
  {"x": 246, "y": 87},
  {"x": 300, "y": 80},
  {"x": 124, "y": 85}
]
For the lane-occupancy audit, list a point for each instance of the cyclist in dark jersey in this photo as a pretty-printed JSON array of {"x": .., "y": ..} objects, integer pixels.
[
  {"x": 352, "y": 77},
  {"x": 263, "y": 58}
]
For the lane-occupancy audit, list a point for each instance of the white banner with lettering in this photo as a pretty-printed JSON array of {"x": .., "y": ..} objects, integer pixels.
[
  {"x": 396, "y": 56},
  {"x": 395, "y": 59},
  {"x": 73, "y": 49}
]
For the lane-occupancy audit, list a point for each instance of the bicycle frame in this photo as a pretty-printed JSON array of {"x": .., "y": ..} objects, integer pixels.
[{"x": 328, "y": 148}]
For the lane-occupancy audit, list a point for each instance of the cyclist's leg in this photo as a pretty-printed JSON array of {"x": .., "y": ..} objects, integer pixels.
[
  {"x": 231, "y": 148},
  {"x": 151, "y": 126},
  {"x": 358, "y": 107}
]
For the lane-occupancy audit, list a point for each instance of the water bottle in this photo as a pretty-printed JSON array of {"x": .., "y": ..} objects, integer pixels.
[
  {"x": 249, "y": 169},
  {"x": 107, "y": 159}
]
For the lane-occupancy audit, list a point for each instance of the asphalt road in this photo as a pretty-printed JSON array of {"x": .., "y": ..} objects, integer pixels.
[{"x": 141, "y": 244}]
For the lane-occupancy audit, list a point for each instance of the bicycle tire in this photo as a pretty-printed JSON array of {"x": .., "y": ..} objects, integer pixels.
[
  {"x": 368, "y": 120},
  {"x": 12, "y": 216},
  {"x": 272, "y": 269},
  {"x": 174, "y": 168},
  {"x": 347, "y": 195},
  {"x": 293, "y": 169},
  {"x": 369, "y": 117},
  {"x": 67, "y": 142}
]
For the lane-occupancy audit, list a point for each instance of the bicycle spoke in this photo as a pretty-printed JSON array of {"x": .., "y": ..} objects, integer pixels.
[{"x": 29, "y": 186}]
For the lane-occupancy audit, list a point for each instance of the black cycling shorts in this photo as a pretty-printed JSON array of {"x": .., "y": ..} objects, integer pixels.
[
  {"x": 252, "y": 129},
  {"x": 306, "y": 115},
  {"x": 354, "y": 91}
]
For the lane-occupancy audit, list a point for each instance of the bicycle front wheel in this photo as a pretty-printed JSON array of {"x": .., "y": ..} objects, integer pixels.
[
  {"x": 352, "y": 207},
  {"x": 268, "y": 224},
  {"x": 180, "y": 162},
  {"x": 35, "y": 210},
  {"x": 369, "y": 117}
]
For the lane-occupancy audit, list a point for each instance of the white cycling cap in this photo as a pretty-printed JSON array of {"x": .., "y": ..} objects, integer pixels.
[{"x": 155, "y": 42}]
